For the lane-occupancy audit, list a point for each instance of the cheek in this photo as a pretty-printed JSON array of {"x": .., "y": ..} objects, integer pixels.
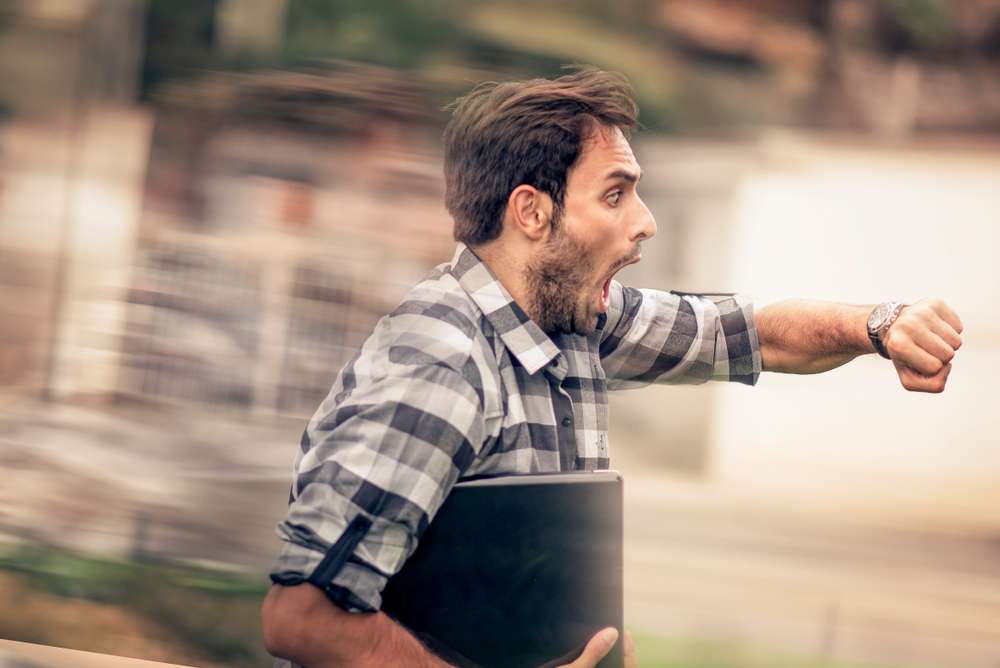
[
  {"x": 597, "y": 229},
  {"x": 602, "y": 228},
  {"x": 588, "y": 219}
]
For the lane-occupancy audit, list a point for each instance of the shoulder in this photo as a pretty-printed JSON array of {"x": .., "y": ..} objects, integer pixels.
[
  {"x": 435, "y": 323},
  {"x": 435, "y": 337}
]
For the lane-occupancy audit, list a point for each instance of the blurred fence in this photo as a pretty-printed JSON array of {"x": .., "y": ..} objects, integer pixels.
[{"x": 224, "y": 332}]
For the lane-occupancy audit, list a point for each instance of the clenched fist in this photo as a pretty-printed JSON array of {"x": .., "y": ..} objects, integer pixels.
[{"x": 922, "y": 343}]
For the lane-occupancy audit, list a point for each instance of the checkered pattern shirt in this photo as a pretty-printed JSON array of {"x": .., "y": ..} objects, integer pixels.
[{"x": 459, "y": 382}]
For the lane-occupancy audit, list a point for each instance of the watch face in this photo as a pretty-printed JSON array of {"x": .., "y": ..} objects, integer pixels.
[{"x": 879, "y": 316}]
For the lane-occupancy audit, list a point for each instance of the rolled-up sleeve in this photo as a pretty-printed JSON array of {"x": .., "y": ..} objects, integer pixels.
[
  {"x": 652, "y": 336},
  {"x": 373, "y": 469}
]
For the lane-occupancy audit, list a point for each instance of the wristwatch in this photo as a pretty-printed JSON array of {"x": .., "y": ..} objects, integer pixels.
[{"x": 879, "y": 322}]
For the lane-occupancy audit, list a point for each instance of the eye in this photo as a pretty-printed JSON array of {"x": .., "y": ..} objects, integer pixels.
[{"x": 614, "y": 197}]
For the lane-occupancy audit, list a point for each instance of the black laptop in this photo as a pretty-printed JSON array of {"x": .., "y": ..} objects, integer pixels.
[{"x": 517, "y": 570}]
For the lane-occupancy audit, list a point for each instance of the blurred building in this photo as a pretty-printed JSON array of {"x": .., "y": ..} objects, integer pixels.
[
  {"x": 74, "y": 151},
  {"x": 284, "y": 214},
  {"x": 230, "y": 244}
]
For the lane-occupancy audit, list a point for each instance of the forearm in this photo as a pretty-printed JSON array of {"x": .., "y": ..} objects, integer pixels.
[
  {"x": 302, "y": 625},
  {"x": 800, "y": 336}
]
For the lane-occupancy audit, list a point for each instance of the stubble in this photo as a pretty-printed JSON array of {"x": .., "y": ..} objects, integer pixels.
[{"x": 555, "y": 278}]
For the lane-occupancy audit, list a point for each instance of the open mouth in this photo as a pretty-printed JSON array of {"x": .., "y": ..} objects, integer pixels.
[{"x": 605, "y": 302}]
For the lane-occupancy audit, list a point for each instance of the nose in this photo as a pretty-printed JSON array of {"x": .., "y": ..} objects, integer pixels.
[{"x": 645, "y": 225}]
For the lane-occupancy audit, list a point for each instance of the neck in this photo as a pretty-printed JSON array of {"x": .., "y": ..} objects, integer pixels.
[{"x": 508, "y": 267}]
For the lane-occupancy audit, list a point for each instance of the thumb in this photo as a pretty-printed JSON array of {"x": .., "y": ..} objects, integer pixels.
[{"x": 597, "y": 648}]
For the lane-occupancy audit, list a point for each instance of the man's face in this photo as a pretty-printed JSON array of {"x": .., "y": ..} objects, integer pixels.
[{"x": 598, "y": 232}]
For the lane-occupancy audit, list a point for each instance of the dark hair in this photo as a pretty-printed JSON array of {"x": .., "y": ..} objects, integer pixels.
[{"x": 502, "y": 135}]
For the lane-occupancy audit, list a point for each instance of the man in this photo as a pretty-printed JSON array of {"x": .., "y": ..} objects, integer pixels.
[{"x": 500, "y": 361}]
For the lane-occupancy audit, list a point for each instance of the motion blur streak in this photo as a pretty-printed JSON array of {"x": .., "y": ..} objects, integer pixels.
[{"x": 205, "y": 206}]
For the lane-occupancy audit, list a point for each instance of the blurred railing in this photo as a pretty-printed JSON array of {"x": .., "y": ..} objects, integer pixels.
[{"x": 225, "y": 331}]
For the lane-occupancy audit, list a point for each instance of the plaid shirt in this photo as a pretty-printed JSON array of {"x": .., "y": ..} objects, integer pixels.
[{"x": 459, "y": 382}]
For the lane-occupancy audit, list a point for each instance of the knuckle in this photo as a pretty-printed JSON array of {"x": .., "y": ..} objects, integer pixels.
[{"x": 892, "y": 345}]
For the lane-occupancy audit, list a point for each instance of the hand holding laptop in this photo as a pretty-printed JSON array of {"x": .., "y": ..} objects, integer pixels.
[{"x": 599, "y": 646}]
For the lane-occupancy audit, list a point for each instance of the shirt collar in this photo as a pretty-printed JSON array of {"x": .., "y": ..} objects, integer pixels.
[{"x": 526, "y": 341}]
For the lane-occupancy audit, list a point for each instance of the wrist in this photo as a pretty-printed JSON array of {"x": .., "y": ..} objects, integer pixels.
[{"x": 880, "y": 320}]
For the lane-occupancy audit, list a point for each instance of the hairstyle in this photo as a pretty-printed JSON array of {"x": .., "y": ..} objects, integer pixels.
[{"x": 502, "y": 135}]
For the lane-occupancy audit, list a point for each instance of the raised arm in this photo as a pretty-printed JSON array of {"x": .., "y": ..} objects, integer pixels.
[
  {"x": 798, "y": 336},
  {"x": 651, "y": 336}
]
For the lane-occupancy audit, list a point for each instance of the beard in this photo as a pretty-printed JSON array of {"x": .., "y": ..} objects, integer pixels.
[{"x": 554, "y": 278}]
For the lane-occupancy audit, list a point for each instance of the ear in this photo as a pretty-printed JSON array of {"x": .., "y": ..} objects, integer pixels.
[{"x": 529, "y": 210}]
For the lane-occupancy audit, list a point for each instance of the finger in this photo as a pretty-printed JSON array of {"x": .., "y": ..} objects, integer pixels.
[
  {"x": 947, "y": 314},
  {"x": 628, "y": 651},
  {"x": 916, "y": 382},
  {"x": 945, "y": 330},
  {"x": 934, "y": 345},
  {"x": 597, "y": 648},
  {"x": 909, "y": 354}
]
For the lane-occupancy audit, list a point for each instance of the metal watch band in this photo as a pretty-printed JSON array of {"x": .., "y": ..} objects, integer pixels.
[{"x": 876, "y": 336}]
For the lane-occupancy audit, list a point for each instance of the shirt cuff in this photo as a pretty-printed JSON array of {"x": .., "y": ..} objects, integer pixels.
[
  {"x": 741, "y": 362},
  {"x": 355, "y": 588}
]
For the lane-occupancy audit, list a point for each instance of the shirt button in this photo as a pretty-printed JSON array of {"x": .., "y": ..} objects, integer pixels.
[{"x": 566, "y": 421}]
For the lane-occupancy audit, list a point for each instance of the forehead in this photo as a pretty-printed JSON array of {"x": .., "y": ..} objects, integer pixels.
[{"x": 604, "y": 151}]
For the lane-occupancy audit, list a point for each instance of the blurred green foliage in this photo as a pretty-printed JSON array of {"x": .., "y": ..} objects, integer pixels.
[
  {"x": 925, "y": 24},
  {"x": 683, "y": 84},
  {"x": 404, "y": 34},
  {"x": 453, "y": 44},
  {"x": 214, "y": 612},
  {"x": 663, "y": 652},
  {"x": 179, "y": 41}
]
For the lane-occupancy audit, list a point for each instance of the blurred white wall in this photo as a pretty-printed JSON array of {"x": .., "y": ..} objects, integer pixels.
[
  {"x": 71, "y": 198},
  {"x": 799, "y": 215},
  {"x": 862, "y": 223},
  {"x": 104, "y": 201}
]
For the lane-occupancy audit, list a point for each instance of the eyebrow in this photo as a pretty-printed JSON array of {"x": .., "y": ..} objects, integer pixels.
[{"x": 625, "y": 175}]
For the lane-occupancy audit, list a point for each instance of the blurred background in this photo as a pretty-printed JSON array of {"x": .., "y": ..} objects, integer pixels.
[{"x": 205, "y": 205}]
